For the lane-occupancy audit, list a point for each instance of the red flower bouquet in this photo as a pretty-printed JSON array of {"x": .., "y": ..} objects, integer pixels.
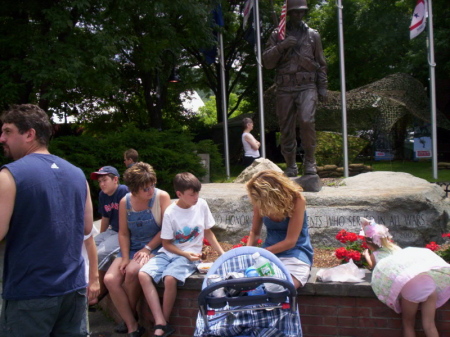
[
  {"x": 354, "y": 246},
  {"x": 441, "y": 250},
  {"x": 244, "y": 241}
]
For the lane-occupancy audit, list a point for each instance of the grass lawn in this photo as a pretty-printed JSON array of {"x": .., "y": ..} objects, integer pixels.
[{"x": 420, "y": 169}]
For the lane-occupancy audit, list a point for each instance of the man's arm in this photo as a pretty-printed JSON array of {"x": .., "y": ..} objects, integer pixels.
[
  {"x": 88, "y": 212},
  {"x": 94, "y": 283},
  {"x": 7, "y": 200}
]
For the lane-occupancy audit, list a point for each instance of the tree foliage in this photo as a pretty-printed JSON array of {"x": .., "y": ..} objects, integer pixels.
[
  {"x": 376, "y": 40},
  {"x": 82, "y": 57}
]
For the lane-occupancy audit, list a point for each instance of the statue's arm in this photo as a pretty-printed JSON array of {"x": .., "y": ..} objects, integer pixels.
[
  {"x": 272, "y": 53},
  {"x": 322, "y": 81}
]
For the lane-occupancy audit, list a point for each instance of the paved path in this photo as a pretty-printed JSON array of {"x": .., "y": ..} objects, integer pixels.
[{"x": 101, "y": 325}]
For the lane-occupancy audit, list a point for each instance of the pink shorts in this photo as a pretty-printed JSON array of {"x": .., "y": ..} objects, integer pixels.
[{"x": 418, "y": 289}]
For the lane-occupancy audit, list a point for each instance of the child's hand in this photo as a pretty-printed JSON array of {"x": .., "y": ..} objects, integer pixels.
[
  {"x": 142, "y": 256},
  {"x": 366, "y": 254},
  {"x": 193, "y": 256},
  {"x": 123, "y": 265}
]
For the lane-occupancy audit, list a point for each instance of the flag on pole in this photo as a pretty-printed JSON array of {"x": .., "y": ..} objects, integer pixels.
[
  {"x": 247, "y": 11},
  {"x": 282, "y": 24},
  {"x": 217, "y": 20},
  {"x": 419, "y": 19}
]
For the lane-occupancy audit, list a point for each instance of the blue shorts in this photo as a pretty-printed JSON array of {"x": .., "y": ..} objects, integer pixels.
[
  {"x": 107, "y": 248},
  {"x": 131, "y": 255},
  {"x": 162, "y": 265},
  {"x": 59, "y": 316}
]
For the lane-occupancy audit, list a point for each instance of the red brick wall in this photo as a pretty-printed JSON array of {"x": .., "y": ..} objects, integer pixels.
[
  {"x": 358, "y": 317},
  {"x": 323, "y": 316}
]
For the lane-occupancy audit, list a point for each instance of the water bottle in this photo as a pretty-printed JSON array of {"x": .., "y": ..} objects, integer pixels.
[
  {"x": 265, "y": 268},
  {"x": 251, "y": 272},
  {"x": 262, "y": 265}
]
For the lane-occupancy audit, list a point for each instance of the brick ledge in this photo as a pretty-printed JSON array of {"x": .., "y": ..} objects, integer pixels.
[{"x": 312, "y": 288}]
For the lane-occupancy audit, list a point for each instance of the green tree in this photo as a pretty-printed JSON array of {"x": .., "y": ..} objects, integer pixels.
[
  {"x": 208, "y": 113},
  {"x": 376, "y": 40},
  {"x": 50, "y": 53}
]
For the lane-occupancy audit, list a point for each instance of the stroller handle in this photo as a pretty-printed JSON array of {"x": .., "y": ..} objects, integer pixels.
[{"x": 243, "y": 285}]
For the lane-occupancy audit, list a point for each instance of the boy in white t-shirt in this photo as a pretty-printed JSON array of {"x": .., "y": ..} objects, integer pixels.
[{"x": 186, "y": 222}]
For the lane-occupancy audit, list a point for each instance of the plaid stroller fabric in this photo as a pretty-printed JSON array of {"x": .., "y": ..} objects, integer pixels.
[{"x": 249, "y": 319}]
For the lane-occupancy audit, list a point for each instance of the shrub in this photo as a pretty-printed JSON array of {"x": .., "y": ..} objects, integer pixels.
[
  {"x": 169, "y": 152},
  {"x": 329, "y": 148}
]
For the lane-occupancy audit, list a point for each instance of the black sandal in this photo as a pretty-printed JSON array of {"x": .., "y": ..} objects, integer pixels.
[
  {"x": 138, "y": 333},
  {"x": 168, "y": 330}
]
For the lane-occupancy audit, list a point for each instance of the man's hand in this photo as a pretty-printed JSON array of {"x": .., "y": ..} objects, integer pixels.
[
  {"x": 287, "y": 43},
  {"x": 93, "y": 290}
]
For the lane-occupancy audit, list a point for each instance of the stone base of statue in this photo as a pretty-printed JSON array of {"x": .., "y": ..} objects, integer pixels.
[
  {"x": 309, "y": 182},
  {"x": 415, "y": 211}
]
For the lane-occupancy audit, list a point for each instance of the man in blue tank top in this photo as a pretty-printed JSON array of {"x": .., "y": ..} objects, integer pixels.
[{"x": 45, "y": 211}]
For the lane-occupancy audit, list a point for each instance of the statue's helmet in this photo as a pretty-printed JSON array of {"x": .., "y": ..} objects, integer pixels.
[{"x": 296, "y": 4}]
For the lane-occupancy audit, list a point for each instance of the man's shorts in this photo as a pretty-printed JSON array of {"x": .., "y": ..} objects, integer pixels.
[
  {"x": 58, "y": 316},
  {"x": 162, "y": 265},
  {"x": 107, "y": 248},
  {"x": 297, "y": 268}
]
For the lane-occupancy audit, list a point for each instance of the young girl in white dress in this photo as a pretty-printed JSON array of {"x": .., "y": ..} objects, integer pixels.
[{"x": 406, "y": 279}]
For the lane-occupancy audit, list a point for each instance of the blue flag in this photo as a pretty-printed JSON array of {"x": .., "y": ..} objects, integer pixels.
[{"x": 217, "y": 16}]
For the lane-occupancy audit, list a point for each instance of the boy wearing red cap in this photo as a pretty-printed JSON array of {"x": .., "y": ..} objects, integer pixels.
[{"x": 107, "y": 241}]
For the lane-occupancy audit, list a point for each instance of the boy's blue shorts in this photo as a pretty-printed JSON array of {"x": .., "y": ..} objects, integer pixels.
[{"x": 162, "y": 265}]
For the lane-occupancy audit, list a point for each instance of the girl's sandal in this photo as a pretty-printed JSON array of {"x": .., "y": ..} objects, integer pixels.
[
  {"x": 168, "y": 330},
  {"x": 138, "y": 333}
]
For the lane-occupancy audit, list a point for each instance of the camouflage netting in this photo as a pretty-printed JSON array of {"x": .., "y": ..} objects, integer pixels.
[{"x": 382, "y": 103}]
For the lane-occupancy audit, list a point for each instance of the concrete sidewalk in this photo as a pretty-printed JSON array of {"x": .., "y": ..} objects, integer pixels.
[{"x": 101, "y": 325}]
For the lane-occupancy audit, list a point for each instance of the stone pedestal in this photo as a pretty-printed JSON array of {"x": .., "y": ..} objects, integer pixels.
[
  {"x": 415, "y": 211},
  {"x": 309, "y": 182}
]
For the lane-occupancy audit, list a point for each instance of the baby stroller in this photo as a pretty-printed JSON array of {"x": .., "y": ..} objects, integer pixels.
[{"x": 235, "y": 313}]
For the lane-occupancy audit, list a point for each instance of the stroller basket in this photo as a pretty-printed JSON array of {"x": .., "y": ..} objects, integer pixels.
[
  {"x": 226, "y": 308},
  {"x": 242, "y": 286}
]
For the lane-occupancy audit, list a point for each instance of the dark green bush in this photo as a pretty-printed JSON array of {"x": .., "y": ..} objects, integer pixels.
[
  {"x": 329, "y": 148},
  {"x": 169, "y": 152}
]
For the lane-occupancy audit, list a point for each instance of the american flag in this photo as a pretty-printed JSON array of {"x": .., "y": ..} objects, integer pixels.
[{"x": 282, "y": 24}]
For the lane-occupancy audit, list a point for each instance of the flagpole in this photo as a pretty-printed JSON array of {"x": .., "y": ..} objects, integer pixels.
[
  {"x": 343, "y": 88},
  {"x": 432, "y": 64},
  {"x": 260, "y": 85},
  {"x": 224, "y": 105}
]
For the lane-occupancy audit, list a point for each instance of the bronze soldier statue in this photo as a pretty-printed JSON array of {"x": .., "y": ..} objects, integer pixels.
[{"x": 301, "y": 79}]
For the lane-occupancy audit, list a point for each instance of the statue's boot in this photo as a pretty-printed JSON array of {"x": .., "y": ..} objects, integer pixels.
[
  {"x": 309, "y": 165},
  {"x": 291, "y": 169}
]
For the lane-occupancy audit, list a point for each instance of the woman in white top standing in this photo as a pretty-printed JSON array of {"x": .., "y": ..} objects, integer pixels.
[{"x": 251, "y": 145}]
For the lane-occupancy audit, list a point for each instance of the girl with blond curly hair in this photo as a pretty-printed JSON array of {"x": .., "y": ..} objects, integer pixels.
[{"x": 280, "y": 206}]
